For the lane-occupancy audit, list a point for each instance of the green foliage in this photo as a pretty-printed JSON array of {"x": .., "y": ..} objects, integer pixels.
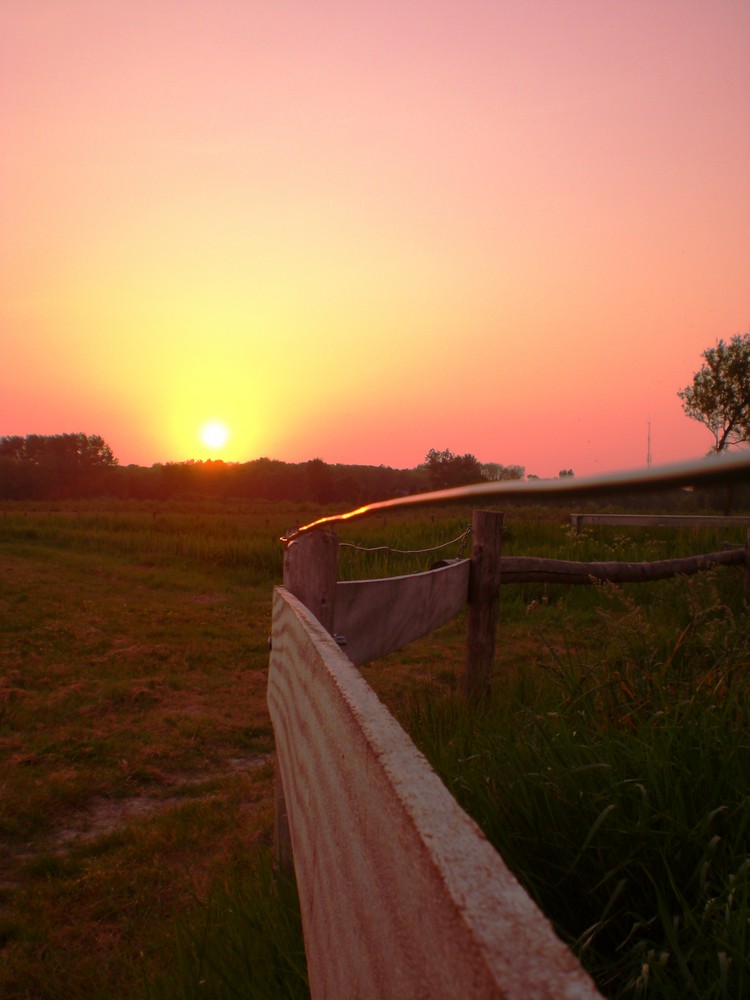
[
  {"x": 719, "y": 396},
  {"x": 616, "y": 785}
]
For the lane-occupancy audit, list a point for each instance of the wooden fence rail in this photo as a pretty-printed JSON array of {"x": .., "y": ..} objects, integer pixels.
[
  {"x": 527, "y": 569},
  {"x": 661, "y": 520},
  {"x": 407, "y": 607},
  {"x": 400, "y": 892}
]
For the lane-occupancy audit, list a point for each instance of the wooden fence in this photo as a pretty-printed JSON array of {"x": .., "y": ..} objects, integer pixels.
[
  {"x": 400, "y": 892},
  {"x": 661, "y": 520}
]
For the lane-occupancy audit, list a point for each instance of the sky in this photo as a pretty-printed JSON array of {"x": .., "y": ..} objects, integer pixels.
[{"x": 357, "y": 231}]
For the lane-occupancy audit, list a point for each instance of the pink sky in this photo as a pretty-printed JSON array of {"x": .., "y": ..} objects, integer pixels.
[{"x": 358, "y": 231}]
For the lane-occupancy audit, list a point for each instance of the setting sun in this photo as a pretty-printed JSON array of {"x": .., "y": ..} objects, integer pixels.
[
  {"x": 215, "y": 434},
  {"x": 487, "y": 187}
]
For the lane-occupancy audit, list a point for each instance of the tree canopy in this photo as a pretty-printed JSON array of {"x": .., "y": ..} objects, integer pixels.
[
  {"x": 54, "y": 465},
  {"x": 719, "y": 396},
  {"x": 72, "y": 466},
  {"x": 444, "y": 469},
  {"x": 494, "y": 472}
]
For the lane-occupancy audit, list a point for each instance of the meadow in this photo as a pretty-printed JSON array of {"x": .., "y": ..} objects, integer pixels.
[{"x": 611, "y": 766}]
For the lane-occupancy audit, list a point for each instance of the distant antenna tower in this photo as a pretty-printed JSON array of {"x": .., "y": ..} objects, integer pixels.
[{"x": 648, "y": 453}]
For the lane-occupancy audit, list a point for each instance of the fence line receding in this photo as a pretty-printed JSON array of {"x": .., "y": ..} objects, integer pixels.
[{"x": 400, "y": 892}]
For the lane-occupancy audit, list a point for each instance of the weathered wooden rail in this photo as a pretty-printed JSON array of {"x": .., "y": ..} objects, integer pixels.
[
  {"x": 400, "y": 892},
  {"x": 527, "y": 569},
  {"x": 661, "y": 520}
]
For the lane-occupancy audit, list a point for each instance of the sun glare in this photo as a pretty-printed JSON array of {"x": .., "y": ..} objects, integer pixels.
[{"x": 215, "y": 434}]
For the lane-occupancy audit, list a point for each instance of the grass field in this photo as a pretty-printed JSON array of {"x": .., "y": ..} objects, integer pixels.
[
  {"x": 136, "y": 749},
  {"x": 135, "y": 743}
]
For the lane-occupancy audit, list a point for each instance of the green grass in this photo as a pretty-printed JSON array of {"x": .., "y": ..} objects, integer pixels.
[
  {"x": 134, "y": 735},
  {"x": 615, "y": 782},
  {"x": 240, "y": 538},
  {"x": 136, "y": 786},
  {"x": 244, "y": 940}
]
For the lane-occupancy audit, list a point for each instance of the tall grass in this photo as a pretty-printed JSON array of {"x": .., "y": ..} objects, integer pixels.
[
  {"x": 616, "y": 785},
  {"x": 240, "y": 538},
  {"x": 245, "y": 940},
  {"x": 529, "y": 531}
]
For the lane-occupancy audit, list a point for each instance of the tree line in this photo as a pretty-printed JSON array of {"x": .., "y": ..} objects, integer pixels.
[
  {"x": 41, "y": 466},
  {"x": 75, "y": 466},
  {"x": 71, "y": 466}
]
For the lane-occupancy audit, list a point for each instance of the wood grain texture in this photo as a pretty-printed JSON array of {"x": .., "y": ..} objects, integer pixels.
[
  {"x": 526, "y": 569},
  {"x": 401, "y": 894},
  {"x": 377, "y": 616},
  {"x": 310, "y": 571}
]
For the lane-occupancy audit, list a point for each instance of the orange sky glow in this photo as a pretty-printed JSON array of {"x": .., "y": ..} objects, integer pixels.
[{"x": 357, "y": 231}]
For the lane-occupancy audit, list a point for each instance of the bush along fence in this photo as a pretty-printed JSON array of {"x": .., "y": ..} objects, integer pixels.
[{"x": 400, "y": 892}]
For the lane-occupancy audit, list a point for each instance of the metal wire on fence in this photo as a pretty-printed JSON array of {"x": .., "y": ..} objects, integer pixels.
[{"x": 712, "y": 470}]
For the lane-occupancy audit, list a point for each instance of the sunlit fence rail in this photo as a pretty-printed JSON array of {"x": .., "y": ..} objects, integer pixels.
[{"x": 400, "y": 892}]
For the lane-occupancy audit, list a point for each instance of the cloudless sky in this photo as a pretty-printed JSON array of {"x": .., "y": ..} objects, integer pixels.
[{"x": 360, "y": 230}]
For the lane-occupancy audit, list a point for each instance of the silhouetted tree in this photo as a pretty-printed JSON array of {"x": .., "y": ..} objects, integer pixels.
[
  {"x": 319, "y": 485},
  {"x": 444, "y": 469},
  {"x": 719, "y": 396},
  {"x": 58, "y": 465},
  {"x": 496, "y": 473}
]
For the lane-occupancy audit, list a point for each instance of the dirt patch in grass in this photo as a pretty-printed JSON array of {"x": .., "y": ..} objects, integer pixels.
[
  {"x": 135, "y": 760},
  {"x": 103, "y": 815}
]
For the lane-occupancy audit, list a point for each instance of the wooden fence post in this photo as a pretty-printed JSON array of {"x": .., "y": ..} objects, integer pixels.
[
  {"x": 484, "y": 591},
  {"x": 310, "y": 573}
]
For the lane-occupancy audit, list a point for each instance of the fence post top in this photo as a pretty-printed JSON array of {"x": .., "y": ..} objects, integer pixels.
[{"x": 310, "y": 572}]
